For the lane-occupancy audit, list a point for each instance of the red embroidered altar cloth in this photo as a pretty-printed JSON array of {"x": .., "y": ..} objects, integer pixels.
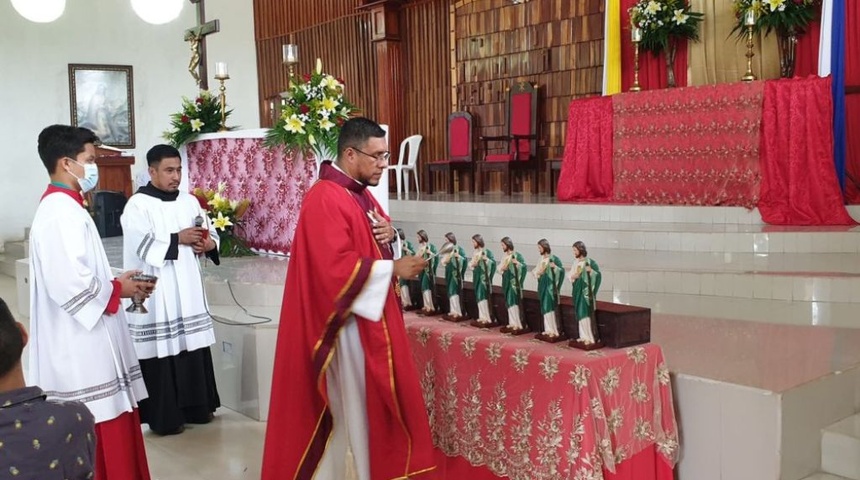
[
  {"x": 530, "y": 410},
  {"x": 273, "y": 180}
]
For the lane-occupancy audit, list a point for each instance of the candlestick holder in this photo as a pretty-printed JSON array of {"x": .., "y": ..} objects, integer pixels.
[
  {"x": 223, "y": 99},
  {"x": 291, "y": 57},
  {"x": 750, "y": 19},
  {"x": 636, "y": 37}
]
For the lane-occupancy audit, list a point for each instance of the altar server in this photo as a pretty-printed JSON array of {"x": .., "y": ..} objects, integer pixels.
[
  {"x": 80, "y": 345},
  {"x": 165, "y": 231}
]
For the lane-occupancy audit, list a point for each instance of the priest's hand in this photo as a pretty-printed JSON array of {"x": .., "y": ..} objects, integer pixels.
[
  {"x": 409, "y": 267},
  {"x": 131, "y": 288},
  {"x": 382, "y": 230},
  {"x": 204, "y": 245},
  {"x": 191, "y": 235}
]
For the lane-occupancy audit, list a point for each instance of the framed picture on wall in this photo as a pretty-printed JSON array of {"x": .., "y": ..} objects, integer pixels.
[{"x": 102, "y": 99}]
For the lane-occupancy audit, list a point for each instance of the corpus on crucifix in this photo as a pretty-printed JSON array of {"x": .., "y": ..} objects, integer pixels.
[{"x": 197, "y": 37}]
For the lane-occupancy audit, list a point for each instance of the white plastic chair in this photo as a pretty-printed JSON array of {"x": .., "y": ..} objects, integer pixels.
[{"x": 402, "y": 169}]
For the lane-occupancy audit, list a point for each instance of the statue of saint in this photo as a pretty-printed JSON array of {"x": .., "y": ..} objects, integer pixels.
[
  {"x": 195, "y": 59},
  {"x": 483, "y": 267},
  {"x": 513, "y": 268},
  {"x": 455, "y": 269},
  {"x": 585, "y": 276},
  {"x": 427, "y": 277},
  {"x": 550, "y": 275},
  {"x": 406, "y": 250}
]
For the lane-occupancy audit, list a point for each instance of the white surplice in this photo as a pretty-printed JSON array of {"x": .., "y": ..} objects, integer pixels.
[
  {"x": 177, "y": 320},
  {"x": 77, "y": 352}
]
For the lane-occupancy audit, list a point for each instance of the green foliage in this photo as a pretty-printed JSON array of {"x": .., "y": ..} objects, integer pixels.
[
  {"x": 313, "y": 112},
  {"x": 660, "y": 20},
  {"x": 787, "y": 17},
  {"x": 202, "y": 115}
]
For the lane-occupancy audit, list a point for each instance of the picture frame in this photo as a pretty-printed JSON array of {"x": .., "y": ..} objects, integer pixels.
[{"x": 102, "y": 99}]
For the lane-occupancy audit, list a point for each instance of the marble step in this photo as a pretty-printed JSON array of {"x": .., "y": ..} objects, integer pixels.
[
  {"x": 824, "y": 476},
  {"x": 840, "y": 448}
]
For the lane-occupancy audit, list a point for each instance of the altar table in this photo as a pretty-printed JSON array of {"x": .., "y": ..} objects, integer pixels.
[
  {"x": 519, "y": 408},
  {"x": 760, "y": 144}
]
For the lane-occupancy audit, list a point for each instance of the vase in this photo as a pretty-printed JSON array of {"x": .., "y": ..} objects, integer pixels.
[
  {"x": 670, "y": 51},
  {"x": 787, "y": 41}
]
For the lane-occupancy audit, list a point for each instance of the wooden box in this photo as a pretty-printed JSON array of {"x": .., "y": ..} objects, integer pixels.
[{"x": 623, "y": 325}]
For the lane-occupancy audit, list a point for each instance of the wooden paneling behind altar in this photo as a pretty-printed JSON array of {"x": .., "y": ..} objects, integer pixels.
[{"x": 454, "y": 55}]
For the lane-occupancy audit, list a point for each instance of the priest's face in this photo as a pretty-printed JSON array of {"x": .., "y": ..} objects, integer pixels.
[
  {"x": 166, "y": 174},
  {"x": 367, "y": 163}
]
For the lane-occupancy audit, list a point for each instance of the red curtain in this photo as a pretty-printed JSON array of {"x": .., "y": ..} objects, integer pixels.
[
  {"x": 806, "y": 61},
  {"x": 652, "y": 69},
  {"x": 852, "y": 100},
  {"x": 645, "y": 465},
  {"x": 799, "y": 185},
  {"x": 586, "y": 171}
]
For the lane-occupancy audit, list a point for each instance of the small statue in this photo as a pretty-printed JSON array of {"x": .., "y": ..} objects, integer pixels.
[
  {"x": 513, "y": 268},
  {"x": 550, "y": 275},
  {"x": 195, "y": 58},
  {"x": 406, "y": 250},
  {"x": 455, "y": 269},
  {"x": 483, "y": 267},
  {"x": 585, "y": 276},
  {"x": 427, "y": 277}
]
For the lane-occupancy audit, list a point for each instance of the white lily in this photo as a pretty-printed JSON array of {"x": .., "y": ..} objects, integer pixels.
[{"x": 319, "y": 66}]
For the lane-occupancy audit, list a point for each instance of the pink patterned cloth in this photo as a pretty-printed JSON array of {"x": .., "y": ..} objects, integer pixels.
[
  {"x": 526, "y": 409},
  {"x": 273, "y": 180}
]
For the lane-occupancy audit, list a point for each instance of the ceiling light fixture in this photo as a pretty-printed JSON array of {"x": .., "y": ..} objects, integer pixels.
[
  {"x": 157, "y": 12},
  {"x": 40, "y": 11}
]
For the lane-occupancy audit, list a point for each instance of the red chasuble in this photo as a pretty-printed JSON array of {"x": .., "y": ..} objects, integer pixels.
[{"x": 331, "y": 258}]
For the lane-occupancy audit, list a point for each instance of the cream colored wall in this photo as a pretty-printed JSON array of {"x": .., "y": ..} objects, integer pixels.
[{"x": 34, "y": 85}]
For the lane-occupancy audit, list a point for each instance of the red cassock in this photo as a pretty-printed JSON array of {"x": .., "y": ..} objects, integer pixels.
[{"x": 331, "y": 259}]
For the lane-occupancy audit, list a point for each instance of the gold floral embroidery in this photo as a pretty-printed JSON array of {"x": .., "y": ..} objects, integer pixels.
[
  {"x": 637, "y": 354},
  {"x": 549, "y": 367},
  {"x": 469, "y": 346},
  {"x": 574, "y": 447},
  {"x": 423, "y": 336},
  {"x": 428, "y": 391},
  {"x": 639, "y": 392},
  {"x": 622, "y": 454},
  {"x": 597, "y": 409},
  {"x": 579, "y": 377},
  {"x": 445, "y": 340},
  {"x": 595, "y": 354},
  {"x": 520, "y": 359},
  {"x": 497, "y": 455},
  {"x": 520, "y": 465},
  {"x": 615, "y": 420},
  {"x": 549, "y": 442},
  {"x": 471, "y": 440},
  {"x": 642, "y": 430},
  {"x": 448, "y": 432},
  {"x": 611, "y": 380},
  {"x": 494, "y": 352},
  {"x": 663, "y": 374},
  {"x": 668, "y": 447}
]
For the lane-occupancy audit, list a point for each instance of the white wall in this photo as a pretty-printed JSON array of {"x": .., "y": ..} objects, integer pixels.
[{"x": 34, "y": 84}]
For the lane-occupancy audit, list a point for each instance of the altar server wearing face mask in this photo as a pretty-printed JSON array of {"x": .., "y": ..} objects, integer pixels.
[{"x": 80, "y": 346}]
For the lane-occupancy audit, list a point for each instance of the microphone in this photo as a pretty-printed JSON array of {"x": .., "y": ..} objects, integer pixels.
[{"x": 198, "y": 222}]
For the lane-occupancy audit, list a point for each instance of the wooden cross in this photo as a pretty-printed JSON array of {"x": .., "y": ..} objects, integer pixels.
[{"x": 197, "y": 37}]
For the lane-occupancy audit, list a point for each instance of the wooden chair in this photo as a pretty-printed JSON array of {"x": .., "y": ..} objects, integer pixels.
[
  {"x": 521, "y": 114},
  {"x": 459, "y": 152}
]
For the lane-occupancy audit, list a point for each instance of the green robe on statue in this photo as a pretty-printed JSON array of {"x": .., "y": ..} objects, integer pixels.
[
  {"x": 512, "y": 279},
  {"x": 427, "y": 277},
  {"x": 455, "y": 270},
  {"x": 407, "y": 250},
  {"x": 482, "y": 275},
  {"x": 549, "y": 285},
  {"x": 583, "y": 300}
]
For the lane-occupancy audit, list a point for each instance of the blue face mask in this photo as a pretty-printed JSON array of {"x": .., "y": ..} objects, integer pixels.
[{"x": 91, "y": 176}]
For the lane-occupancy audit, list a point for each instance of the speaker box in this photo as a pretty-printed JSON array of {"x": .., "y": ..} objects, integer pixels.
[{"x": 108, "y": 207}]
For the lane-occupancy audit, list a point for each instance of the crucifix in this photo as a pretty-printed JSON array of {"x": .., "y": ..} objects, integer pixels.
[{"x": 197, "y": 37}]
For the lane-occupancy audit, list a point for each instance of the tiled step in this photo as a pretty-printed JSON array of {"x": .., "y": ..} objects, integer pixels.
[
  {"x": 824, "y": 476},
  {"x": 840, "y": 448}
]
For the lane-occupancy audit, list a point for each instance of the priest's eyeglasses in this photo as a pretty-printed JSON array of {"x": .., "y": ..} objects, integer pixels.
[{"x": 380, "y": 157}]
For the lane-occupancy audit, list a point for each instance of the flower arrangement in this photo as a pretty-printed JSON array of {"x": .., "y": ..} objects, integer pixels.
[
  {"x": 787, "y": 17},
  {"x": 202, "y": 115},
  {"x": 661, "y": 20},
  {"x": 225, "y": 214},
  {"x": 314, "y": 110}
]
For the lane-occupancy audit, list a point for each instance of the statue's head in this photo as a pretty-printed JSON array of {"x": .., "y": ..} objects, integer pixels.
[
  {"x": 422, "y": 236},
  {"x": 477, "y": 241},
  {"x": 543, "y": 247},
  {"x": 507, "y": 245},
  {"x": 450, "y": 238},
  {"x": 579, "y": 250}
]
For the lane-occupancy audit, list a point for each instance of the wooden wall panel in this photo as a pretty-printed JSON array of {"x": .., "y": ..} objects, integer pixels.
[{"x": 276, "y": 18}]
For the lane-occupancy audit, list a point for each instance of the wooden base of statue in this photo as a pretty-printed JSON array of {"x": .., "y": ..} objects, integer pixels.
[
  {"x": 585, "y": 346},
  {"x": 550, "y": 338},
  {"x": 515, "y": 331},
  {"x": 432, "y": 313},
  {"x": 455, "y": 319},
  {"x": 480, "y": 324},
  {"x": 411, "y": 308}
]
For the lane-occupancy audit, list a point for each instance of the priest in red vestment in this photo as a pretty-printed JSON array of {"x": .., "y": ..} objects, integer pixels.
[{"x": 346, "y": 401}]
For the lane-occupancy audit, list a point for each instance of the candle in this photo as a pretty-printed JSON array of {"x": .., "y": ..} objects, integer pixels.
[
  {"x": 636, "y": 35},
  {"x": 221, "y": 70},
  {"x": 750, "y": 18},
  {"x": 291, "y": 53}
]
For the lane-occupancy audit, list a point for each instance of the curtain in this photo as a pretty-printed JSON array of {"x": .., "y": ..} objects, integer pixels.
[
  {"x": 586, "y": 170},
  {"x": 719, "y": 57},
  {"x": 799, "y": 185},
  {"x": 852, "y": 101},
  {"x": 652, "y": 69}
]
